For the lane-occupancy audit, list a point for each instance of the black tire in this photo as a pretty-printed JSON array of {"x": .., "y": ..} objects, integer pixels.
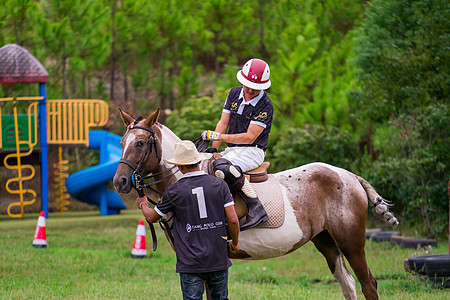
[
  {"x": 440, "y": 281},
  {"x": 384, "y": 236},
  {"x": 438, "y": 266},
  {"x": 396, "y": 240},
  {"x": 416, "y": 264},
  {"x": 415, "y": 243},
  {"x": 372, "y": 231}
]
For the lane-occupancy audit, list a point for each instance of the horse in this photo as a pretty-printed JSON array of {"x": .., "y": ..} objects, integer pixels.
[{"x": 323, "y": 204}]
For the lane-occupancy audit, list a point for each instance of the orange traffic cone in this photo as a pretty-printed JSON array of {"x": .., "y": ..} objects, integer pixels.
[
  {"x": 139, "y": 250},
  {"x": 40, "y": 237}
]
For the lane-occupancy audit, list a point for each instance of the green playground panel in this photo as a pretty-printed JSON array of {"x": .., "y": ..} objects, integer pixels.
[{"x": 8, "y": 131}]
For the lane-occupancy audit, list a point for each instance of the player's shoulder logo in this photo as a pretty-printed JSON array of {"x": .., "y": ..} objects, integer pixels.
[
  {"x": 234, "y": 106},
  {"x": 261, "y": 116}
]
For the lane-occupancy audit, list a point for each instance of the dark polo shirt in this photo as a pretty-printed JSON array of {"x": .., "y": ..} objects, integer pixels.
[
  {"x": 258, "y": 111},
  {"x": 198, "y": 203}
]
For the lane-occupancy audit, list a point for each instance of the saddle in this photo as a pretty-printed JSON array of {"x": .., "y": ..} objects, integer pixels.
[{"x": 269, "y": 194}]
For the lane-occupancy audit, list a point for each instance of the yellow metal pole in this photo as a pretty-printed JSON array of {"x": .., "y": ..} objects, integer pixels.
[{"x": 19, "y": 163}]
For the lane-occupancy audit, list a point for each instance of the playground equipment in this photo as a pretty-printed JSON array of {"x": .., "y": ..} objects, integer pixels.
[
  {"x": 89, "y": 185},
  {"x": 60, "y": 182},
  {"x": 54, "y": 123},
  {"x": 29, "y": 143}
]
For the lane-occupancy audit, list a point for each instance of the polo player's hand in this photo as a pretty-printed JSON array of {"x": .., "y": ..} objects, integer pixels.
[
  {"x": 234, "y": 248},
  {"x": 210, "y": 135},
  {"x": 141, "y": 201}
]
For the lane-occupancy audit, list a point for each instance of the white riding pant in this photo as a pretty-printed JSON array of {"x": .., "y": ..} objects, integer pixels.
[{"x": 248, "y": 158}]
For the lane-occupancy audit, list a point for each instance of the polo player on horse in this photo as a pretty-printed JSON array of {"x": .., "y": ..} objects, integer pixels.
[{"x": 245, "y": 125}]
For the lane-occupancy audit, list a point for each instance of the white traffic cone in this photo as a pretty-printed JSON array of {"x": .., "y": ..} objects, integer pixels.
[
  {"x": 40, "y": 237},
  {"x": 139, "y": 248}
]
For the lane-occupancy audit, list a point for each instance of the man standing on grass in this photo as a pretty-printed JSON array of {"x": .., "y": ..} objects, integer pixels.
[{"x": 201, "y": 205}]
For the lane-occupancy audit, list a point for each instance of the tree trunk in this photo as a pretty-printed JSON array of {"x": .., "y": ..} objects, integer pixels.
[
  {"x": 170, "y": 95},
  {"x": 216, "y": 53},
  {"x": 113, "y": 49},
  {"x": 162, "y": 100},
  {"x": 125, "y": 74},
  {"x": 64, "y": 77},
  {"x": 263, "y": 48}
]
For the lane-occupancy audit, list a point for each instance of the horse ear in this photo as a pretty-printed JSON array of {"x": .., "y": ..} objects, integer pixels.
[
  {"x": 153, "y": 118},
  {"x": 126, "y": 118}
]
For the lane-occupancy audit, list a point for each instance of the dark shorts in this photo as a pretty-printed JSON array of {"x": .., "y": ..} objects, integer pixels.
[{"x": 193, "y": 285}]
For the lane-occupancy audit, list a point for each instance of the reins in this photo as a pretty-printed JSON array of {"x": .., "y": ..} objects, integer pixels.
[{"x": 201, "y": 144}]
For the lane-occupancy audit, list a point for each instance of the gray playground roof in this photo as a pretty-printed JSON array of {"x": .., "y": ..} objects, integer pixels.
[{"x": 17, "y": 65}]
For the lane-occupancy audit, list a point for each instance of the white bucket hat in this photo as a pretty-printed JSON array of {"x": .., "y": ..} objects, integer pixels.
[{"x": 186, "y": 154}]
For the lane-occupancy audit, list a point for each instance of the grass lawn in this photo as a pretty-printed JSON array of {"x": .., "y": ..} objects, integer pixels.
[{"x": 89, "y": 257}]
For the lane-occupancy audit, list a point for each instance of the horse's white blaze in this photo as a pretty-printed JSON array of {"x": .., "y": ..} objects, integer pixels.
[
  {"x": 344, "y": 278},
  {"x": 130, "y": 138},
  {"x": 262, "y": 243}
]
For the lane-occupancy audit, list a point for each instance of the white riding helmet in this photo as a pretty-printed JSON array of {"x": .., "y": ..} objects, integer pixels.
[{"x": 255, "y": 74}]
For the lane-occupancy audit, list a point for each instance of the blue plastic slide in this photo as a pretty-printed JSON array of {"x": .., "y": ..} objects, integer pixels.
[{"x": 90, "y": 185}]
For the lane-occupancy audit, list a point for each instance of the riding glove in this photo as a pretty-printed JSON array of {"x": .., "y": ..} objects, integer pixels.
[{"x": 210, "y": 135}]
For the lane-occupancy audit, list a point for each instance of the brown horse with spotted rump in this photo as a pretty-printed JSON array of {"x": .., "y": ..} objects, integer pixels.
[{"x": 322, "y": 203}]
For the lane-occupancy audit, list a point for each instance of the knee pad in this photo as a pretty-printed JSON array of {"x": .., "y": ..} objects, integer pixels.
[{"x": 232, "y": 174}]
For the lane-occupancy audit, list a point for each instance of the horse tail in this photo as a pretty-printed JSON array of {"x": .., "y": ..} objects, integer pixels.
[{"x": 381, "y": 205}]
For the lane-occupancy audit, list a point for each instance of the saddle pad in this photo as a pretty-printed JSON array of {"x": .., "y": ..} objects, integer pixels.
[{"x": 269, "y": 193}]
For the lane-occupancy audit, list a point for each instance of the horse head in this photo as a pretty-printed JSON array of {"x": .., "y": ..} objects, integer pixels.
[{"x": 141, "y": 150}]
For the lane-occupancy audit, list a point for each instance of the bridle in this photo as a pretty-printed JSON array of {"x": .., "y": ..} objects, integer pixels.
[{"x": 138, "y": 180}]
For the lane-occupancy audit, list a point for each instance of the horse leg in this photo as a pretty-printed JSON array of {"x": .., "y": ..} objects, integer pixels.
[
  {"x": 335, "y": 260},
  {"x": 356, "y": 257},
  {"x": 350, "y": 242}
]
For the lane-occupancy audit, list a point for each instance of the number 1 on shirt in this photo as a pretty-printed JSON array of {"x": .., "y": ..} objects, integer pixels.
[{"x": 198, "y": 191}]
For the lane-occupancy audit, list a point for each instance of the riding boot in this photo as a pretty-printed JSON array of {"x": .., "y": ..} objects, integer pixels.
[
  {"x": 237, "y": 182},
  {"x": 256, "y": 212}
]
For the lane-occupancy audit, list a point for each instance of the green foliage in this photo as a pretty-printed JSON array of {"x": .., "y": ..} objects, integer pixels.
[
  {"x": 230, "y": 29},
  {"x": 17, "y": 20},
  {"x": 403, "y": 56},
  {"x": 197, "y": 115},
  {"x": 403, "y": 59},
  {"x": 413, "y": 166},
  {"x": 69, "y": 32},
  {"x": 311, "y": 75},
  {"x": 329, "y": 144}
]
